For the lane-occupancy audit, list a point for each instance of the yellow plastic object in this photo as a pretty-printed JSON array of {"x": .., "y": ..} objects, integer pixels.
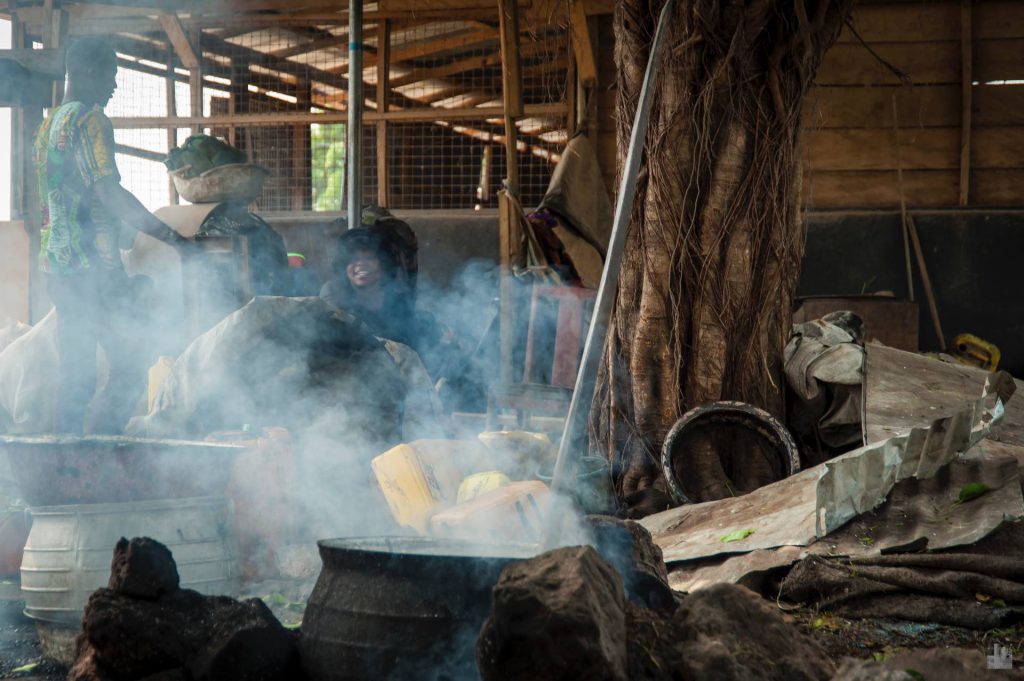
[
  {"x": 514, "y": 512},
  {"x": 481, "y": 483},
  {"x": 519, "y": 453},
  {"x": 974, "y": 351},
  {"x": 157, "y": 375},
  {"x": 418, "y": 479}
]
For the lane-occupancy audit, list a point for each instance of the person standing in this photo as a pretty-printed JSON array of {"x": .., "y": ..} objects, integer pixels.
[{"x": 84, "y": 209}]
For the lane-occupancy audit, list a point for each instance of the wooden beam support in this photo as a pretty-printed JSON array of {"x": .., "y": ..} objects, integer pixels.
[
  {"x": 182, "y": 45},
  {"x": 582, "y": 45},
  {"x": 967, "y": 89},
  {"x": 436, "y": 45},
  {"x": 301, "y": 184},
  {"x": 417, "y": 115},
  {"x": 195, "y": 84},
  {"x": 170, "y": 85},
  {"x": 512, "y": 87},
  {"x": 531, "y": 49},
  {"x": 383, "y": 78}
]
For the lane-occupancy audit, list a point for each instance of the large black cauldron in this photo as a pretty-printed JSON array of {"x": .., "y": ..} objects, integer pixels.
[{"x": 400, "y": 607}]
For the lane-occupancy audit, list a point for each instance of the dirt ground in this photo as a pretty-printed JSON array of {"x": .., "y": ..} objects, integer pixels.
[
  {"x": 19, "y": 647},
  {"x": 880, "y": 639},
  {"x": 839, "y": 637}
]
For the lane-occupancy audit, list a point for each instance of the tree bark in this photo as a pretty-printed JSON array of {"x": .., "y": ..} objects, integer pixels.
[{"x": 713, "y": 255}]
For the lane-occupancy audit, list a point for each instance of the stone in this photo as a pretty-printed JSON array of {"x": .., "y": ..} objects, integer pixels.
[
  {"x": 731, "y": 621},
  {"x": 558, "y": 616},
  {"x": 143, "y": 568},
  {"x": 179, "y": 634},
  {"x": 631, "y": 550}
]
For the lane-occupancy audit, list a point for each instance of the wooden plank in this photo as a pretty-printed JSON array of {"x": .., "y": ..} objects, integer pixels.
[
  {"x": 914, "y": 22},
  {"x": 922, "y": 148},
  {"x": 182, "y": 45},
  {"x": 997, "y": 187},
  {"x": 931, "y": 21},
  {"x": 966, "y": 90},
  {"x": 998, "y": 60},
  {"x": 419, "y": 115},
  {"x": 997, "y": 104},
  {"x": 998, "y": 147},
  {"x": 998, "y": 19},
  {"x": 170, "y": 84},
  {"x": 824, "y": 190},
  {"x": 852, "y": 64},
  {"x": 926, "y": 106},
  {"x": 926, "y": 281},
  {"x": 195, "y": 85},
  {"x": 512, "y": 89},
  {"x": 582, "y": 46},
  {"x": 873, "y": 149},
  {"x": 531, "y": 49},
  {"x": 442, "y": 44},
  {"x": 925, "y": 63},
  {"x": 383, "y": 76},
  {"x": 871, "y": 107}
]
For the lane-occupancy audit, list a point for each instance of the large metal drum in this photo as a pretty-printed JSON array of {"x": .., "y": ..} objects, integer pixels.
[
  {"x": 400, "y": 607},
  {"x": 69, "y": 550}
]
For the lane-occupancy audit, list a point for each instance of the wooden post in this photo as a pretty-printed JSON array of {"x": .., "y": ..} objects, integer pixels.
[
  {"x": 509, "y": 244},
  {"x": 238, "y": 101},
  {"x": 195, "y": 82},
  {"x": 967, "y": 88},
  {"x": 383, "y": 88},
  {"x": 508, "y": 200},
  {"x": 512, "y": 88},
  {"x": 582, "y": 45},
  {"x": 302, "y": 194},
  {"x": 926, "y": 281},
  {"x": 172, "y": 111}
]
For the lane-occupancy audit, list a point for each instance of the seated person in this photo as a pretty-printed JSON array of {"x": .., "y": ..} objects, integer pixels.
[{"x": 368, "y": 285}]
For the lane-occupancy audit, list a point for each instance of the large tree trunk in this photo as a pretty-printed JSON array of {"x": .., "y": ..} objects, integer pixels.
[{"x": 713, "y": 255}]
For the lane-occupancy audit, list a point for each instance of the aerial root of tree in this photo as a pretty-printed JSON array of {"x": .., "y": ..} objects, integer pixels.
[{"x": 713, "y": 254}]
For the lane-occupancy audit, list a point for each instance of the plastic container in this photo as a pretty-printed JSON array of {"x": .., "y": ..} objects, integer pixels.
[
  {"x": 481, "y": 483},
  {"x": 241, "y": 182},
  {"x": 158, "y": 373},
  {"x": 513, "y": 513},
  {"x": 69, "y": 549},
  {"x": 418, "y": 479}
]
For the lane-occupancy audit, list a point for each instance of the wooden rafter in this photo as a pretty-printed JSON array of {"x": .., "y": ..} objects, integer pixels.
[{"x": 182, "y": 45}]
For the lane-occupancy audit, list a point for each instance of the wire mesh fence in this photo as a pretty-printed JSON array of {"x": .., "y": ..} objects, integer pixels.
[{"x": 278, "y": 92}]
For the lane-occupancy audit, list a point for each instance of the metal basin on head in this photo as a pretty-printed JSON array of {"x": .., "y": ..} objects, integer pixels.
[
  {"x": 401, "y": 607},
  {"x": 53, "y": 470}
]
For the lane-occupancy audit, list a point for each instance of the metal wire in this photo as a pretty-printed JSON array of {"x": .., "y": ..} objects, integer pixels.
[{"x": 288, "y": 68}]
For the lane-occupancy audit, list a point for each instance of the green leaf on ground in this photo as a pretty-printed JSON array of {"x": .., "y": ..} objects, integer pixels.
[
  {"x": 275, "y": 599},
  {"x": 914, "y": 674},
  {"x": 997, "y": 603},
  {"x": 25, "y": 668},
  {"x": 972, "y": 491},
  {"x": 738, "y": 535}
]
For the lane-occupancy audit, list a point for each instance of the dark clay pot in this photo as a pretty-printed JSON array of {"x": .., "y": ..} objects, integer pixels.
[{"x": 400, "y": 607}]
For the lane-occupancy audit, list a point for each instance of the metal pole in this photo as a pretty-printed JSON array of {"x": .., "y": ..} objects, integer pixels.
[
  {"x": 354, "y": 134},
  {"x": 583, "y": 394}
]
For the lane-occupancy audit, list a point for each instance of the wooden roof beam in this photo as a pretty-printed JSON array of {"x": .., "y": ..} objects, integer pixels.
[{"x": 179, "y": 40}]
